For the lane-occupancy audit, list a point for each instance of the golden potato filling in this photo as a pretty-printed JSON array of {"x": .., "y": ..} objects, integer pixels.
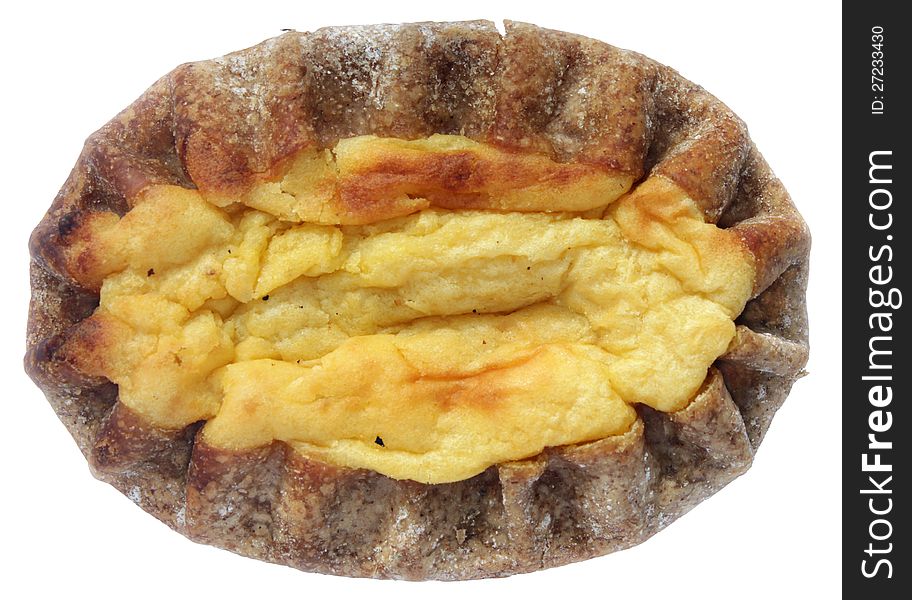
[{"x": 424, "y": 309}]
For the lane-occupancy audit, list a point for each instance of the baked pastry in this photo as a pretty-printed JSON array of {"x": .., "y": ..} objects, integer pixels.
[{"x": 420, "y": 301}]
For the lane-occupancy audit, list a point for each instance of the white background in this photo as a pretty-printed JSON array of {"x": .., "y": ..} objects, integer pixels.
[{"x": 773, "y": 532}]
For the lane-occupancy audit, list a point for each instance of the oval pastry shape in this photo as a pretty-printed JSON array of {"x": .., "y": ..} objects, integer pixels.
[{"x": 420, "y": 301}]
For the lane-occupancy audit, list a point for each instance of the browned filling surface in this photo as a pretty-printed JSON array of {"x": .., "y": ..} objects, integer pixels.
[{"x": 423, "y": 308}]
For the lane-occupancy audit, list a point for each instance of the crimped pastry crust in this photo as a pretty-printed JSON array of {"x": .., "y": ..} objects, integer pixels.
[{"x": 221, "y": 125}]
